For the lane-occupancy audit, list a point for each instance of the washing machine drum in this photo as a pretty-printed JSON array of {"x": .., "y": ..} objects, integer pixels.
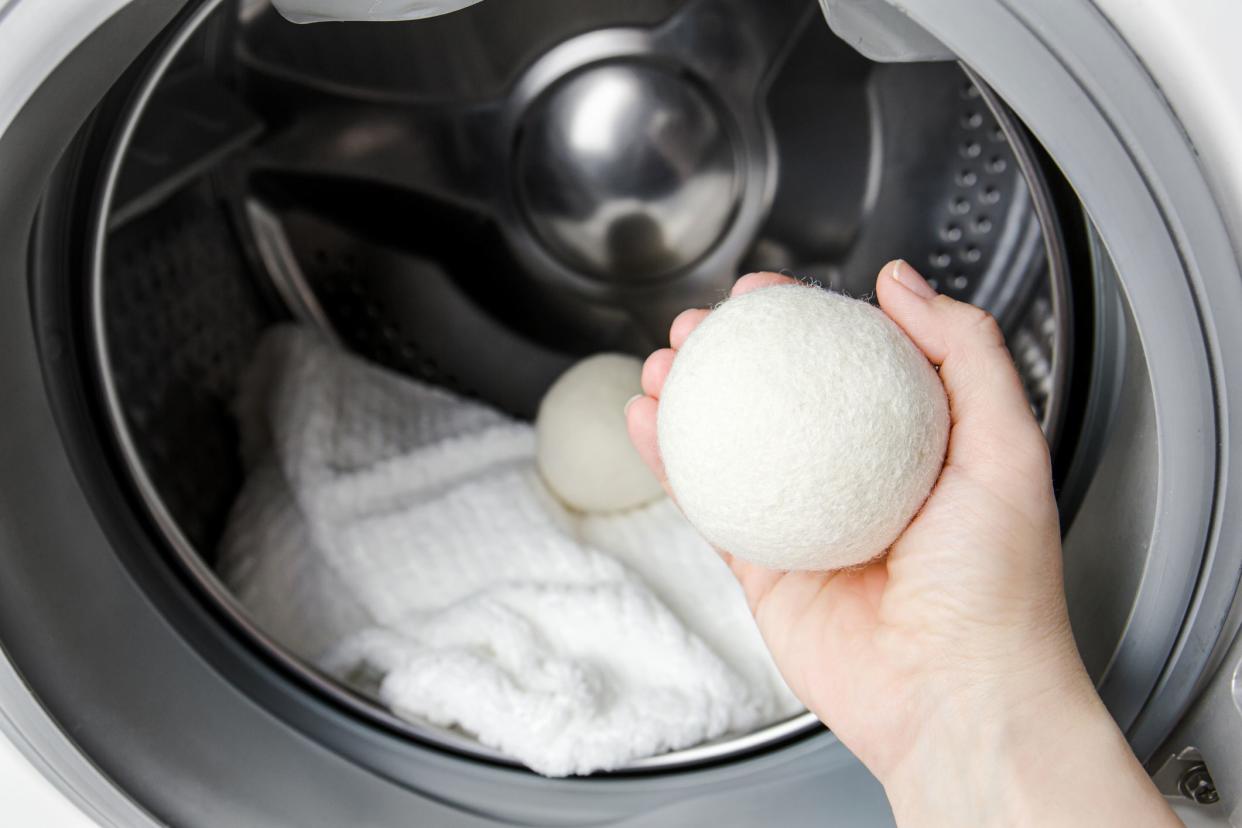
[{"x": 477, "y": 199}]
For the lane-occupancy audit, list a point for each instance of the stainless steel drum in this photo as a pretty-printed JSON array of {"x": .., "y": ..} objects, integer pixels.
[{"x": 477, "y": 200}]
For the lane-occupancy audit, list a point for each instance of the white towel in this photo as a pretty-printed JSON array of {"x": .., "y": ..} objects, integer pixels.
[{"x": 388, "y": 527}]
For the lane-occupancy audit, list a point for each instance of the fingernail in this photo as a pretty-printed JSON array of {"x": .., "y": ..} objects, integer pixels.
[
  {"x": 630, "y": 402},
  {"x": 910, "y": 279}
]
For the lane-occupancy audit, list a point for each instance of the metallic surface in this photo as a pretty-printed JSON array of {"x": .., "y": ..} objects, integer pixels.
[
  {"x": 195, "y": 125},
  {"x": 283, "y": 269},
  {"x": 627, "y": 171},
  {"x": 144, "y": 456},
  {"x": 129, "y": 617},
  {"x": 956, "y": 203},
  {"x": 1039, "y": 342},
  {"x": 454, "y": 152},
  {"x": 403, "y": 310},
  {"x": 187, "y": 537},
  {"x": 1196, "y": 785},
  {"x": 730, "y": 47},
  {"x": 1210, "y": 733}
]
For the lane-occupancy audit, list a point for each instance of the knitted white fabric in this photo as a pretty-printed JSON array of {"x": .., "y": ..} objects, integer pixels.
[
  {"x": 583, "y": 451},
  {"x": 391, "y": 527},
  {"x": 801, "y": 429}
]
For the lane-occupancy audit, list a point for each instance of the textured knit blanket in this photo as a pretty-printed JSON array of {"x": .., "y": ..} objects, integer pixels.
[{"x": 390, "y": 528}]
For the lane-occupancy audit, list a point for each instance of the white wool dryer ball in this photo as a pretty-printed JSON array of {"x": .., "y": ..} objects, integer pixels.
[
  {"x": 583, "y": 449},
  {"x": 801, "y": 429}
]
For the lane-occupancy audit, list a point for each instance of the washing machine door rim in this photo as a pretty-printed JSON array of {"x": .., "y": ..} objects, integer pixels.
[{"x": 1139, "y": 128}]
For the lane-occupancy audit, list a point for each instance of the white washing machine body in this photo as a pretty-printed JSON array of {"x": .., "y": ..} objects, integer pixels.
[{"x": 133, "y": 703}]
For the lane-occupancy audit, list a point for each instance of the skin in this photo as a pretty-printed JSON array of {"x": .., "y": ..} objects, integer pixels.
[{"x": 948, "y": 666}]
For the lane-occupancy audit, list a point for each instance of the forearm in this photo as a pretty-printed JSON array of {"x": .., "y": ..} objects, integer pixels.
[{"x": 1011, "y": 760}]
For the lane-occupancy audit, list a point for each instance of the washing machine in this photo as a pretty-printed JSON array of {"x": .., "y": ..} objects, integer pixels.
[{"x": 478, "y": 194}]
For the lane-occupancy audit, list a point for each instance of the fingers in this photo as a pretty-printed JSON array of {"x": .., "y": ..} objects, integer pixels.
[
  {"x": 640, "y": 421},
  {"x": 684, "y": 324},
  {"x": 640, "y": 414},
  {"x": 655, "y": 371},
  {"x": 992, "y": 419},
  {"x": 754, "y": 281},
  {"x": 688, "y": 320}
]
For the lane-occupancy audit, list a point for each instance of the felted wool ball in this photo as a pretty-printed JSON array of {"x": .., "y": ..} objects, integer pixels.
[
  {"x": 801, "y": 429},
  {"x": 583, "y": 450}
]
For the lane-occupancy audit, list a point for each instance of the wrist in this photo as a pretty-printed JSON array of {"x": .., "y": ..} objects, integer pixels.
[{"x": 1007, "y": 754}]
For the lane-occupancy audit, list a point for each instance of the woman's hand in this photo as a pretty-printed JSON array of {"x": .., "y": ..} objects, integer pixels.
[{"x": 948, "y": 666}]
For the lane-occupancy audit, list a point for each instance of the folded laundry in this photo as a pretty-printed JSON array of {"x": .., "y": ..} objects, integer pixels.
[{"x": 391, "y": 528}]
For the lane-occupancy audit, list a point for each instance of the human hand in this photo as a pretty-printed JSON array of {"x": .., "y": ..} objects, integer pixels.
[{"x": 948, "y": 666}]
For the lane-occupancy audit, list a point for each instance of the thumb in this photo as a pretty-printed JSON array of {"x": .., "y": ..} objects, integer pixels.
[{"x": 994, "y": 432}]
